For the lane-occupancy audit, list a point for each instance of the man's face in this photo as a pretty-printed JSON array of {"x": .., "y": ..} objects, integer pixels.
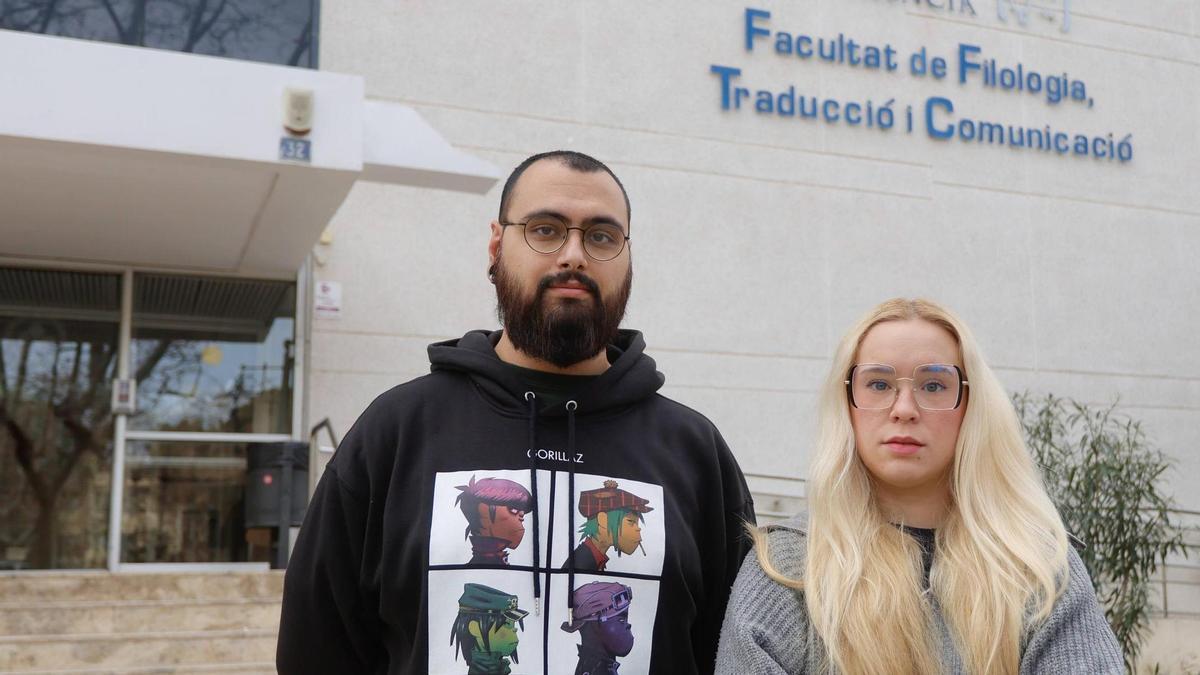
[
  {"x": 631, "y": 533},
  {"x": 562, "y": 307},
  {"x": 509, "y": 524}
]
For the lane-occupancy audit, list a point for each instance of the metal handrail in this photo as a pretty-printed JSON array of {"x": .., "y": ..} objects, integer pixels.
[{"x": 327, "y": 426}]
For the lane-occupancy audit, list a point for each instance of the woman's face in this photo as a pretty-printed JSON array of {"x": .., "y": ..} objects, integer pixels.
[{"x": 908, "y": 450}]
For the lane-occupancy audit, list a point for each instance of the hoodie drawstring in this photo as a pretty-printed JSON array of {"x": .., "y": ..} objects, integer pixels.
[
  {"x": 533, "y": 488},
  {"x": 572, "y": 406}
]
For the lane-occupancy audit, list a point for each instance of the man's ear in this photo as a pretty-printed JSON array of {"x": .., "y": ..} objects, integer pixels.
[
  {"x": 494, "y": 243},
  {"x": 602, "y": 522}
]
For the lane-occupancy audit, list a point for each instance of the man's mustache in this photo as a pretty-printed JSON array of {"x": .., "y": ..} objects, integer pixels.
[{"x": 567, "y": 277}]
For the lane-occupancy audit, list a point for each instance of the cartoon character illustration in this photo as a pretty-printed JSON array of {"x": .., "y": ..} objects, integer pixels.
[
  {"x": 485, "y": 631},
  {"x": 495, "y": 510},
  {"x": 614, "y": 520},
  {"x": 602, "y": 619}
]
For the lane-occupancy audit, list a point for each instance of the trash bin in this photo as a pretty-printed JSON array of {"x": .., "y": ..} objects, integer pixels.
[
  {"x": 264, "y": 481},
  {"x": 276, "y": 478}
]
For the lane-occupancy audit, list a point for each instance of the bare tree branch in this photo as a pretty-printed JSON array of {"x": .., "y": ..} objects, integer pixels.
[
  {"x": 152, "y": 360},
  {"x": 3, "y": 367},
  {"x": 23, "y": 449},
  {"x": 138, "y": 23},
  {"x": 22, "y": 370},
  {"x": 47, "y": 14},
  {"x": 302, "y": 43},
  {"x": 199, "y": 27},
  {"x": 53, "y": 389},
  {"x": 197, "y": 18},
  {"x": 74, "y": 371},
  {"x": 84, "y": 441},
  {"x": 101, "y": 356},
  {"x": 112, "y": 14}
]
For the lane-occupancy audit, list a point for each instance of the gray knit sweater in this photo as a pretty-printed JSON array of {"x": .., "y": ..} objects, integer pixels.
[{"x": 767, "y": 629}]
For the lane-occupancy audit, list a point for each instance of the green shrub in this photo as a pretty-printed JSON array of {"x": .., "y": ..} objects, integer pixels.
[{"x": 1107, "y": 480}]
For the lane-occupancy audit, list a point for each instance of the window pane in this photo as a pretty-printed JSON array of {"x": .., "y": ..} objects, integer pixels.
[
  {"x": 273, "y": 31},
  {"x": 213, "y": 354},
  {"x": 183, "y": 503},
  {"x": 58, "y": 344}
]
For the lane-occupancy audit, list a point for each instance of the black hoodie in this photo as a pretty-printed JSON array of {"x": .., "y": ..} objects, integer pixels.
[{"x": 423, "y": 547}]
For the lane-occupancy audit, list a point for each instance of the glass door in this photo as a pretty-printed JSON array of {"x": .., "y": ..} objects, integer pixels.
[
  {"x": 215, "y": 367},
  {"x": 185, "y": 502}
]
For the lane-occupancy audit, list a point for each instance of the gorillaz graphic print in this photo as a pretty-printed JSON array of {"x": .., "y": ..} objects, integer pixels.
[
  {"x": 481, "y": 622},
  {"x": 612, "y": 626},
  {"x": 480, "y": 518},
  {"x": 481, "y": 613},
  {"x": 485, "y": 630},
  {"x": 614, "y": 520},
  {"x": 602, "y": 620},
  {"x": 495, "y": 510}
]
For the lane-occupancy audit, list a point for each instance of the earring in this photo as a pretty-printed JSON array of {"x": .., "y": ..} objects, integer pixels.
[{"x": 491, "y": 273}]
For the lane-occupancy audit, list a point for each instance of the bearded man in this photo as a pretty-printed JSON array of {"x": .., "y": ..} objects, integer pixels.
[{"x": 561, "y": 391}]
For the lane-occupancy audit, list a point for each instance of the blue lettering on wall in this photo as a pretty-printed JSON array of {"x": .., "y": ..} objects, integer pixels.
[
  {"x": 930, "y": 128},
  {"x": 751, "y": 29},
  {"x": 727, "y": 74},
  {"x": 964, "y": 63},
  {"x": 941, "y": 121}
]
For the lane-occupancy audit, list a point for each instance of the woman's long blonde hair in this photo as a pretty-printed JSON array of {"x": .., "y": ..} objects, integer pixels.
[{"x": 1001, "y": 553}]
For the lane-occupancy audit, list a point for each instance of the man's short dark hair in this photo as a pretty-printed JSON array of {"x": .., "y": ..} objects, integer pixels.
[{"x": 573, "y": 160}]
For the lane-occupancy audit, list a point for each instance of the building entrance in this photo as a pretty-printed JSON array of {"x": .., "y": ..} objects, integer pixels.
[{"x": 86, "y": 482}]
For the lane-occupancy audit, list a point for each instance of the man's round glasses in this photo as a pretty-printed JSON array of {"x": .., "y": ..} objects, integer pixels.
[
  {"x": 935, "y": 386},
  {"x": 546, "y": 234}
]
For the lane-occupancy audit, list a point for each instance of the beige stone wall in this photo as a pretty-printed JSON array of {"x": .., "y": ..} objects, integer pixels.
[{"x": 1172, "y": 647}]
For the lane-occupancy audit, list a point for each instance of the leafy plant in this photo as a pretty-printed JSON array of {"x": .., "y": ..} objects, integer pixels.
[{"x": 1106, "y": 478}]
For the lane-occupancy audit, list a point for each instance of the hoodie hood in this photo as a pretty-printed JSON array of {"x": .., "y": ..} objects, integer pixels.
[{"x": 631, "y": 376}]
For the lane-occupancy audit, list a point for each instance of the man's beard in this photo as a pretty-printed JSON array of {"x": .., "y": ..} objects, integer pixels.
[{"x": 570, "y": 330}]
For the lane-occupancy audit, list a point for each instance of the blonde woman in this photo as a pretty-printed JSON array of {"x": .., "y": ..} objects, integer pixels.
[{"x": 930, "y": 545}]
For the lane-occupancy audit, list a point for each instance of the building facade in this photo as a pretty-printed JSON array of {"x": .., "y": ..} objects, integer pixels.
[{"x": 789, "y": 164}]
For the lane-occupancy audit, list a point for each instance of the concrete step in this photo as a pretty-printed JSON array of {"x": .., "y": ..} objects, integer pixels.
[
  {"x": 137, "y": 616},
  {"x": 181, "y": 651},
  {"x": 32, "y": 588},
  {"x": 172, "y": 622}
]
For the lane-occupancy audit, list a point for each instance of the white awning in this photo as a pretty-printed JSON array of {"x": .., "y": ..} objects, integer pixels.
[{"x": 144, "y": 157}]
